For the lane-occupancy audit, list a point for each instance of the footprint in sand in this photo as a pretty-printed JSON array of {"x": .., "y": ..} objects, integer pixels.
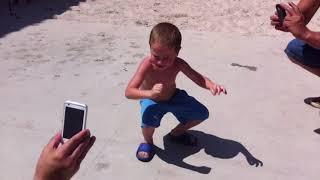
[
  {"x": 116, "y": 74},
  {"x": 83, "y": 94},
  {"x": 110, "y": 59},
  {"x": 102, "y": 166},
  {"x": 56, "y": 76},
  {"x": 99, "y": 60},
  {"x": 138, "y": 55},
  {"x": 142, "y": 23},
  {"x": 129, "y": 63},
  {"x": 134, "y": 45}
]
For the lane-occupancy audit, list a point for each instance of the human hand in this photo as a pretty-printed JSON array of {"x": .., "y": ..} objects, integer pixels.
[
  {"x": 156, "y": 90},
  {"x": 275, "y": 21},
  {"x": 294, "y": 22},
  {"x": 61, "y": 161},
  {"x": 217, "y": 89}
]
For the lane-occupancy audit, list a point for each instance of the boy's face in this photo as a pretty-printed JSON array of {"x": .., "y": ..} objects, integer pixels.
[{"x": 162, "y": 56}]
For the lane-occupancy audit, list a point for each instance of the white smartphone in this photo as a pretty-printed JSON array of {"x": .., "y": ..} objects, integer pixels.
[{"x": 75, "y": 117}]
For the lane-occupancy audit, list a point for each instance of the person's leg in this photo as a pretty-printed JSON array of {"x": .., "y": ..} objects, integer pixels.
[
  {"x": 182, "y": 128},
  {"x": 304, "y": 55},
  {"x": 315, "y": 71},
  {"x": 147, "y": 133},
  {"x": 189, "y": 113},
  {"x": 152, "y": 114},
  {"x": 308, "y": 58}
]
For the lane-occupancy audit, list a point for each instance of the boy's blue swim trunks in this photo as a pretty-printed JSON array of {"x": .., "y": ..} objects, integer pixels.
[
  {"x": 303, "y": 53},
  {"x": 184, "y": 107}
]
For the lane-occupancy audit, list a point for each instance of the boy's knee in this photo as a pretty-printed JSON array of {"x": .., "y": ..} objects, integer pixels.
[{"x": 203, "y": 113}]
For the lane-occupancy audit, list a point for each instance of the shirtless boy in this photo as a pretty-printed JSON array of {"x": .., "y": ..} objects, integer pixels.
[{"x": 154, "y": 85}]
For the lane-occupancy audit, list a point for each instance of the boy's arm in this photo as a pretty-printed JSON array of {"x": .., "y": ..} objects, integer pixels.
[
  {"x": 132, "y": 90},
  {"x": 199, "y": 79}
]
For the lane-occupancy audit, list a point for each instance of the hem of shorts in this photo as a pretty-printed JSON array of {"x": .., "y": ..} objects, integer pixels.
[
  {"x": 295, "y": 57},
  {"x": 145, "y": 125}
]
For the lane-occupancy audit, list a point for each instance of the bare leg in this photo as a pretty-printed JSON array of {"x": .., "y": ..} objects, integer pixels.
[
  {"x": 147, "y": 133},
  {"x": 182, "y": 128}
]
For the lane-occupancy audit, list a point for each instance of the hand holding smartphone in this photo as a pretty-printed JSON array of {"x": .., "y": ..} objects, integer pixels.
[
  {"x": 75, "y": 117},
  {"x": 281, "y": 13}
]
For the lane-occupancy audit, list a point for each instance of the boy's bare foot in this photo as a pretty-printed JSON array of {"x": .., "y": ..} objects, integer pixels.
[{"x": 145, "y": 152}]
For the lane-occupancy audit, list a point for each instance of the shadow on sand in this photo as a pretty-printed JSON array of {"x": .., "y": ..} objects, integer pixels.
[
  {"x": 32, "y": 13},
  {"x": 212, "y": 145},
  {"x": 317, "y": 131}
]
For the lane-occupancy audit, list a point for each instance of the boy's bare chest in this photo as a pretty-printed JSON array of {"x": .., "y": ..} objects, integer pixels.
[{"x": 165, "y": 77}]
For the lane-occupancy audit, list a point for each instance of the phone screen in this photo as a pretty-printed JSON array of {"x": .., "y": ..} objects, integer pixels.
[{"x": 73, "y": 122}]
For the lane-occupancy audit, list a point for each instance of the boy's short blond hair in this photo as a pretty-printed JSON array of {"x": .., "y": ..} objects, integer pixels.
[{"x": 166, "y": 34}]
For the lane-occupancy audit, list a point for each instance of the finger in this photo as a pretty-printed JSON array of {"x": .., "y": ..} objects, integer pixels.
[
  {"x": 74, "y": 142},
  {"x": 78, "y": 151},
  {"x": 294, "y": 7},
  {"x": 55, "y": 141},
  {"x": 274, "y": 17},
  {"x": 224, "y": 90},
  {"x": 287, "y": 8},
  {"x": 214, "y": 92},
  {"x": 219, "y": 90},
  {"x": 275, "y": 23},
  {"x": 281, "y": 28},
  {"x": 87, "y": 148}
]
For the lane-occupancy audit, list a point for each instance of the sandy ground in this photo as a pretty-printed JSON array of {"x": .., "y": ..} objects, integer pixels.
[{"x": 88, "y": 51}]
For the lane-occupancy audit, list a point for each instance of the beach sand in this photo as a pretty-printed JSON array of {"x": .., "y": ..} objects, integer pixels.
[{"x": 87, "y": 51}]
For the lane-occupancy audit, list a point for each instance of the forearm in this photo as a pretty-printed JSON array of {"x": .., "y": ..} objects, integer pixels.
[
  {"x": 308, "y": 8},
  {"x": 312, "y": 38},
  {"x": 134, "y": 93},
  {"x": 204, "y": 82}
]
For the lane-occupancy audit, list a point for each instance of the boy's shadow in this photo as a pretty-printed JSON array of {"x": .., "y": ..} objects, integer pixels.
[{"x": 217, "y": 147}]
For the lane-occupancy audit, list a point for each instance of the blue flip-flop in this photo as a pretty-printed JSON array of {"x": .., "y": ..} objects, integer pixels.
[{"x": 148, "y": 148}]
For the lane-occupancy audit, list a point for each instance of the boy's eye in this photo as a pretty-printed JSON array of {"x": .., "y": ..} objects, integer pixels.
[{"x": 156, "y": 57}]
